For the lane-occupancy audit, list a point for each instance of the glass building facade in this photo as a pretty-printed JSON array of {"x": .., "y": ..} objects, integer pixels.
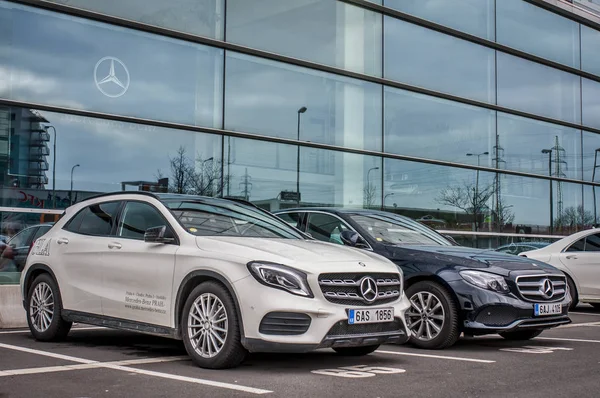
[{"x": 480, "y": 118}]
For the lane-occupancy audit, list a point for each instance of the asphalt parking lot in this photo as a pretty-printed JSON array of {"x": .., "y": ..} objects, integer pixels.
[{"x": 97, "y": 362}]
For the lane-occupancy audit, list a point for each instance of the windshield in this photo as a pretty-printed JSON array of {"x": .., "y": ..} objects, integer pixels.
[
  {"x": 398, "y": 230},
  {"x": 221, "y": 218}
]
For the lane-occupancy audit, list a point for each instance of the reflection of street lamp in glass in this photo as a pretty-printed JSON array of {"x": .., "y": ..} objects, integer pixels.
[
  {"x": 384, "y": 198},
  {"x": 300, "y": 111},
  {"x": 369, "y": 172},
  {"x": 71, "y": 191},
  {"x": 549, "y": 153},
  {"x": 53, "y": 168},
  {"x": 478, "y": 158}
]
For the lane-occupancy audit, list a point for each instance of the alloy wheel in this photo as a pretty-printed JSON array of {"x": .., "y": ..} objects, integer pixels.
[
  {"x": 425, "y": 317},
  {"x": 41, "y": 307},
  {"x": 207, "y": 325}
]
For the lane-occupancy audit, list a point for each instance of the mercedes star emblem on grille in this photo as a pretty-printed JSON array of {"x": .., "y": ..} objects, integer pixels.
[
  {"x": 368, "y": 289},
  {"x": 547, "y": 288}
]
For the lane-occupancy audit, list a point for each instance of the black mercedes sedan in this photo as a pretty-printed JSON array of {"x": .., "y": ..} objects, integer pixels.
[{"x": 452, "y": 289}]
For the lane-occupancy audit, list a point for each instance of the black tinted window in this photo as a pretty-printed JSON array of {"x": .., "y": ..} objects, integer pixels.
[
  {"x": 137, "y": 218},
  {"x": 291, "y": 218},
  {"x": 578, "y": 246},
  {"x": 97, "y": 219},
  {"x": 592, "y": 243},
  {"x": 22, "y": 238},
  {"x": 326, "y": 227},
  {"x": 41, "y": 231}
]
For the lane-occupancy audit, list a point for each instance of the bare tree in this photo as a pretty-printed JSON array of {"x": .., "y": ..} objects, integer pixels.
[
  {"x": 504, "y": 215},
  {"x": 574, "y": 216},
  {"x": 467, "y": 198},
  {"x": 369, "y": 195}
]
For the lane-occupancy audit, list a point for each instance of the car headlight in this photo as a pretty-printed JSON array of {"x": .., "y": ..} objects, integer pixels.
[
  {"x": 281, "y": 277},
  {"x": 485, "y": 280}
]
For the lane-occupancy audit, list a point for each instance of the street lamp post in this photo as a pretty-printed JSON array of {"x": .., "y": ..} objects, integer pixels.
[
  {"x": 476, "y": 203},
  {"x": 300, "y": 111},
  {"x": 384, "y": 198},
  {"x": 549, "y": 153},
  {"x": 71, "y": 191},
  {"x": 53, "y": 167},
  {"x": 368, "y": 189}
]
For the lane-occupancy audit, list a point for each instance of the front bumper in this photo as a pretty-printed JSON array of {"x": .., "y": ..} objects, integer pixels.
[
  {"x": 317, "y": 322},
  {"x": 487, "y": 312}
]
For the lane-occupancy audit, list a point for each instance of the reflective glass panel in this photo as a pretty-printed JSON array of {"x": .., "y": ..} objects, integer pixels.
[
  {"x": 429, "y": 127},
  {"x": 324, "y": 31},
  {"x": 471, "y": 16},
  {"x": 537, "y": 31},
  {"x": 591, "y": 201},
  {"x": 570, "y": 216},
  {"x": 529, "y": 145},
  {"x": 198, "y": 17},
  {"x": 141, "y": 158},
  {"x": 591, "y": 103},
  {"x": 590, "y": 56},
  {"x": 433, "y": 60},
  {"x": 591, "y": 156},
  {"x": 94, "y": 66},
  {"x": 271, "y": 98},
  {"x": 538, "y": 89}
]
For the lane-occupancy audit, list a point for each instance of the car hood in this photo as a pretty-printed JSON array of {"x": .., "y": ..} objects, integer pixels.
[
  {"x": 310, "y": 256},
  {"x": 466, "y": 257}
]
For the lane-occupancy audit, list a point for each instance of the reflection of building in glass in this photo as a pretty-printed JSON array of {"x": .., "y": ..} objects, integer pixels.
[{"x": 24, "y": 149}]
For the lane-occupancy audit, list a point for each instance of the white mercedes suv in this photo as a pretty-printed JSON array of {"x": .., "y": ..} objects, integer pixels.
[{"x": 222, "y": 275}]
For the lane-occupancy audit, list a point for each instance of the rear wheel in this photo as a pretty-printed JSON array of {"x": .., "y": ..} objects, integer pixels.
[
  {"x": 210, "y": 328},
  {"x": 44, "y": 307},
  {"x": 356, "y": 351},
  {"x": 521, "y": 335},
  {"x": 573, "y": 293},
  {"x": 432, "y": 317}
]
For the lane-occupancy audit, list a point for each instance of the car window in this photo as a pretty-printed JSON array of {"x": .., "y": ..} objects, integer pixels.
[
  {"x": 291, "y": 218},
  {"x": 326, "y": 227},
  {"x": 592, "y": 243},
  {"x": 137, "y": 218},
  {"x": 97, "y": 219},
  {"x": 21, "y": 239},
  {"x": 41, "y": 231},
  {"x": 578, "y": 246}
]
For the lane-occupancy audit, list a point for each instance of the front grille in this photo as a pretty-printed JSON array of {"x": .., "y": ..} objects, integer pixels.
[
  {"x": 345, "y": 288},
  {"x": 342, "y": 328},
  {"x": 284, "y": 323},
  {"x": 536, "y": 287}
]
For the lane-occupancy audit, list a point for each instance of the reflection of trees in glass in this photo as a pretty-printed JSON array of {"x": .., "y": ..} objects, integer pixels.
[
  {"x": 466, "y": 197},
  {"x": 195, "y": 176},
  {"x": 574, "y": 217},
  {"x": 369, "y": 195}
]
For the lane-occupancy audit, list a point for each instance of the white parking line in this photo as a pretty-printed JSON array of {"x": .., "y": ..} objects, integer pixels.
[
  {"x": 562, "y": 339},
  {"x": 64, "y": 368},
  {"x": 116, "y": 366},
  {"x": 577, "y": 325},
  {"x": 583, "y": 313},
  {"x": 410, "y": 354}
]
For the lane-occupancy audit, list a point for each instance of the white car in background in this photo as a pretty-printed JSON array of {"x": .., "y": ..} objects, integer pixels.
[
  {"x": 225, "y": 277},
  {"x": 578, "y": 256}
]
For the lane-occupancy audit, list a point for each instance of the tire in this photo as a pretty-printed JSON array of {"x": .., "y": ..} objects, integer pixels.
[
  {"x": 521, "y": 335},
  {"x": 573, "y": 292},
  {"x": 44, "y": 320},
  {"x": 356, "y": 351},
  {"x": 219, "y": 348},
  {"x": 444, "y": 317}
]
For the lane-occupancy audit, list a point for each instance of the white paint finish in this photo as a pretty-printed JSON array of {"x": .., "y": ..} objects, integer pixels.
[
  {"x": 12, "y": 313},
  {"x": 410, "y": 354}
]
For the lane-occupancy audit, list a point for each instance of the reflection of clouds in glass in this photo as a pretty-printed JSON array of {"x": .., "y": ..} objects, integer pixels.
[{"x": 26, "y": 81}]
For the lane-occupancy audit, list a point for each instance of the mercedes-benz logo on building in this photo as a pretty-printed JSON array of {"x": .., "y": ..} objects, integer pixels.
[
  {"x": 547, "y": 288},
  {"x": 111, "y": 77},
  {"x": 368, "y": 289}
]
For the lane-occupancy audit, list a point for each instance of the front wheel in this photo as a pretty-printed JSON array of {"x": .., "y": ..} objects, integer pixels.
[
  {"x": 432, "y": 317},
  {"x": 521, "y": 335},
  {"x": 44, "y": 307},
  {"x": 573, "y": 293},
  {"x": 356, "y": 351},
  {"x": 211, "y": 329}
]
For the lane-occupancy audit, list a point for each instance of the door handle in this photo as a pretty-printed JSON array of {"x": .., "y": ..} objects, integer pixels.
[
  {"x": 114, "y": 245},
  {"x": 62, "y": 241},
  {"x": 572, "y": 257}
]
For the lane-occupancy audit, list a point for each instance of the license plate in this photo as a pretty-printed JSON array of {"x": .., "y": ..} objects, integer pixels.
[
  {"x": 547, "y": 309},
  {"x": 372, "y": 315}
]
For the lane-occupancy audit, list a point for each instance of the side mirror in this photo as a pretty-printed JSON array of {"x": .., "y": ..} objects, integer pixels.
[
  {"x": 157, "y": 235},
  {"x": 350, "y": 238}
]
